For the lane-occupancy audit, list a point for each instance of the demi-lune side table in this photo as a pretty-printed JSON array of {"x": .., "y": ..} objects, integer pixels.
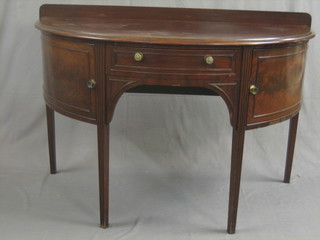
[{"x": 254, "y": 60}]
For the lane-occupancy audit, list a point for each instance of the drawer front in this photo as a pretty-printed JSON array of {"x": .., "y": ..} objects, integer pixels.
[
  {"x": 278, "y": 75},
  {"x": 68, "y": 66},
  {"x": 222, "y": 63}
]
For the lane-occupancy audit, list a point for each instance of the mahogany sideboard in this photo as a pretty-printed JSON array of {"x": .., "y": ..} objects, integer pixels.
[{"x": 254, "y": 60}]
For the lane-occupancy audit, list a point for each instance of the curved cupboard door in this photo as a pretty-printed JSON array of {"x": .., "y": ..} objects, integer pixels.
[
  {"x": 68, "y": 70},
  {"x": 276, "y": 79}
]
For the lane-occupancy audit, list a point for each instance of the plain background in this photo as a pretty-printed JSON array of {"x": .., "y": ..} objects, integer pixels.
[{"x": 169, "y": 159}]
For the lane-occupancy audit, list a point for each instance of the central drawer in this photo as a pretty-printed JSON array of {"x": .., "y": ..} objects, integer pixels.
[{"x": 199, "y": 63}]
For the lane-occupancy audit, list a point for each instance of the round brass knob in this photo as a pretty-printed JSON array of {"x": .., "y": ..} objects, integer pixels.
[
  {"x": 208, "y": 59},
  {"x": 138, "y": 56},
  {"x": 254, "y": 90},
  {"x": 91, "y": 83}
]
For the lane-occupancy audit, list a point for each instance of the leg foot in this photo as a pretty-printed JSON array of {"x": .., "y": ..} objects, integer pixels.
[{"x": 104, "y": 226}]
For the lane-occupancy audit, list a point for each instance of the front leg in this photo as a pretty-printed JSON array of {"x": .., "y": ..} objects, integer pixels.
[
  {"x": 103, "y": 155},
  {"x": 291, "y": 144},
  {"x": 235, "y": 177},
  {"x": 51, "y": 139}
]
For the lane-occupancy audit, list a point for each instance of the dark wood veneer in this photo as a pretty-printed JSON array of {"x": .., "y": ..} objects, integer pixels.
[
  {"x": 257, "y": 67},
  {"x": 68, "y": 67},
  {"x": 278, "y": 73},
  {"x": 175, "y": 25}
]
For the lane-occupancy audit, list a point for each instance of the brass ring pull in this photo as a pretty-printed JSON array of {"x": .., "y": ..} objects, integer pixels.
[
  {"x": 254, "y": 90},
  {"x": 91, "y": 83},
  {"x": 208, "y": 59},
  {"x": 138, "y": 56}
]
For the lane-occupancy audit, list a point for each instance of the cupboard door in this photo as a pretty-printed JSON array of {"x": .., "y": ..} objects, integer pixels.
[
  {"x": 276, "y": 79},
  {"x": 68, "y": 68}
]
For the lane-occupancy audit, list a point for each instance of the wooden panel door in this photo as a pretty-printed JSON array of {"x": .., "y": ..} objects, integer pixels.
[
  {"x": 278, "y": 74},
  {"x": 68, "y": 66}
]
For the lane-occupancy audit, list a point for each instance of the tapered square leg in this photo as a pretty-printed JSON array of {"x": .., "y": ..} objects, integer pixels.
[
  {"x": 235, "y": 176},
  {"x": 290, "y": 147},
  {"x": 51, "y": 139},
  {"x": 103, "y": 155}
]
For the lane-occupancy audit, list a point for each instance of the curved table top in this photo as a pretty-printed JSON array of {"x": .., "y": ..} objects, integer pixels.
[{"x": 174, "y": 25}]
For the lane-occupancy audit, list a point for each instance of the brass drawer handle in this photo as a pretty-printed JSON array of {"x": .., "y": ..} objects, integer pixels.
[
  {"x": 254, "y": 90},
  {"x": 208, "y": 59},
  {"x": 138, "y": 56},
  {"x": 91, "y": 83}
]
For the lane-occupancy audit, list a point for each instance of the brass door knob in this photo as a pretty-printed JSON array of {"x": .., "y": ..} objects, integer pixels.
[
  {"x": 91, "y": 83},
  {"x": 138, "y": 56},
  {"x": 208, "y": 59},
  {"x": 254, "y": 90}
]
